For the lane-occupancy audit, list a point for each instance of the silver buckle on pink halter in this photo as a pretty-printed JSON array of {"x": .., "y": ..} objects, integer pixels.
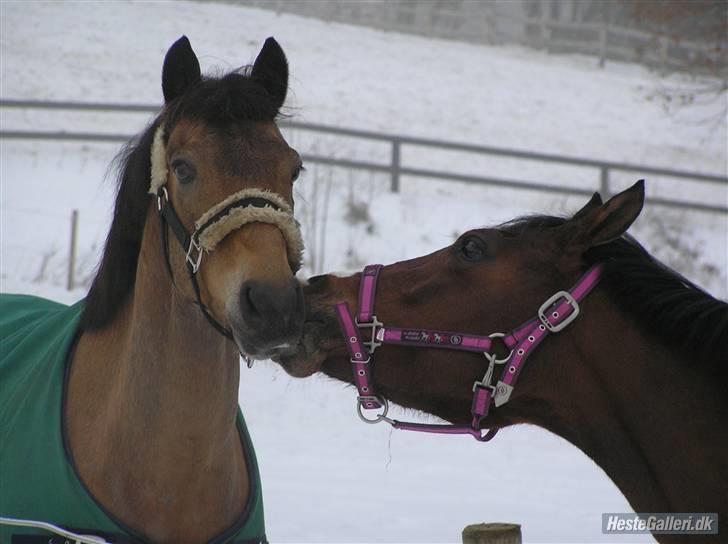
[
  {"x": 559, "y": 325},
  {"x": 371, "y": 344},
  {"x": 553, "y": 316}
]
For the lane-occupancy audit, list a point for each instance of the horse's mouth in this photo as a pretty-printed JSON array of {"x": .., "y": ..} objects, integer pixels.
[
  {"x": 306, "y": 357},
  {"x": 253, "y": 352}
]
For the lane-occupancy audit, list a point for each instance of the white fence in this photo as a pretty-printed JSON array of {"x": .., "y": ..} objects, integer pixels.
[
  {"x": 390, "y": 162},
  {"x": 395, "y": 167}
]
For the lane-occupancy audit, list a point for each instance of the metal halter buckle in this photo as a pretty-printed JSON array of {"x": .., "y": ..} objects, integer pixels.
[
  {"x": 372, "y": 344},
  {"x": 559, "y": 325},
  {"x": 493, "y": 360},
  {"x": 194, "y": 260},
  {"x": 488, "y": 377},
  {"x": 379, "y": 417}
]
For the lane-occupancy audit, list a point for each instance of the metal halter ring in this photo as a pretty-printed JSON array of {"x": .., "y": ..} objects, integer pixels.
[
  {"x": 162, "y": 197},
  {"x": 495, "y": 359},
  {"x": 378, "y": 417}
]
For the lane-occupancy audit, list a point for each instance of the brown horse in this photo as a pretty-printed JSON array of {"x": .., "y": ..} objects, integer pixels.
[
  {"x": 193, "y": 274},
  {"x": 638, "y": 381}
]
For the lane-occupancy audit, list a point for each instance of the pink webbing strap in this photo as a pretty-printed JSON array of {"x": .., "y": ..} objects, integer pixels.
[
  {"x": 446, "y": 428},
  {"x": 367, "y": 291},
  {"x": 359, "y": 357},
  {"x": 529, "y": 335},
  {"x": 482, "y": 395},
  {"x": 512, "y": 339}
]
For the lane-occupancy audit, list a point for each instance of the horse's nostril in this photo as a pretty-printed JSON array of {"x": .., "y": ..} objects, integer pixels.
[
  {"x": 247, "y": 303},
  {"x": 269, "y": 304}
]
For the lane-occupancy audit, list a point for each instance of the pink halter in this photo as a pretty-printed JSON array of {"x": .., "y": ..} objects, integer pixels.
[{"x": 553, "y": 316}]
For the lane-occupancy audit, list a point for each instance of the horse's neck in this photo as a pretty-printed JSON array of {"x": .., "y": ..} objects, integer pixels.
[
  {"x": 653, "y": 423},
  {"x": 151, "y": 411}
]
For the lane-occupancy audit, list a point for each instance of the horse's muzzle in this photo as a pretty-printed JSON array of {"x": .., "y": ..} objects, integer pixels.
[{"x": 271, "y": 317}]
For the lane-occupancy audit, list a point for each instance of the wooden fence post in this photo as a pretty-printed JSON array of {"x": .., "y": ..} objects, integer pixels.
[
  {"x": 396, "y": 160},
  {"x": 663, "y": 46},
  {"x": 72, "y": 251},
  {"x": 492, "y": 533},
  {"x": 543, "y": 28},
  {"x": 604, "y": 183}
]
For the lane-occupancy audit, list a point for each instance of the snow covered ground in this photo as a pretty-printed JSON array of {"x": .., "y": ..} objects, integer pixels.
[{"x": 315, "y": 455}]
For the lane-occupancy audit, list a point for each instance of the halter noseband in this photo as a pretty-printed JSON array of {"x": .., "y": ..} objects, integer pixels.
[
  {"x": 553, "y": 316},
  {"x": 244, "y": 207}
]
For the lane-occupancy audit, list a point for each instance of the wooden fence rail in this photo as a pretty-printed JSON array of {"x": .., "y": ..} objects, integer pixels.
[{"x": 395, "y": 168}]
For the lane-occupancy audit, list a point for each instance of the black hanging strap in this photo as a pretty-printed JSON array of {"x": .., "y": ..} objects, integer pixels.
[
  {"x": 164, "y": 242},
  {"x": 169, "y": 218}
]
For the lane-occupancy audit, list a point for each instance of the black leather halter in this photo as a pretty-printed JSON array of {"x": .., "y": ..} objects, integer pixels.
[{"x": 191, "y": 245}]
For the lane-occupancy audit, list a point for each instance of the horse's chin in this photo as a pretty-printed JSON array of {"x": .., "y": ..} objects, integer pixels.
[{"x": 300, "y": 365}]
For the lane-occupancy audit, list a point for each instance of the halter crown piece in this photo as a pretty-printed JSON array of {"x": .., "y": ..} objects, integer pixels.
[
  {"x": 250, "y": 205},
  {"x": 556, "y": 313}
]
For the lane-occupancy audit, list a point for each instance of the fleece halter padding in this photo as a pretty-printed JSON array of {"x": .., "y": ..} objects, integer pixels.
[
  {"x": 159, "y": 162},
  {"x": 223, "y": 218}
]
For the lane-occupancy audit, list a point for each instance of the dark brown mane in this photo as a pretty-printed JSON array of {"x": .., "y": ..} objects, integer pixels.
[
  {"x": 664, "y": 303},
  {"x": 231, "y": 100}
]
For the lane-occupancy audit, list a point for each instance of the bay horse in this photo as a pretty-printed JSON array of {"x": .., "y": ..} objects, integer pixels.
[
  {"x": 637, "y": 379},
  {"x": 134, "y": 404}
]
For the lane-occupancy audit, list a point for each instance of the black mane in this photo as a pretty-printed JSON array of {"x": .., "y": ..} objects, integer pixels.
[
  {"x": 233, "y": 100},
  {"x": 665, "y": 304}
]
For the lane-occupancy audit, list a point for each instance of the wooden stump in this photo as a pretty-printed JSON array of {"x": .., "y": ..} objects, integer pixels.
[{"x": 492, "y": 533}]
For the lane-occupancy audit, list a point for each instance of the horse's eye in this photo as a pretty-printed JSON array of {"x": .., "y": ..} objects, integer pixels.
[
  {"x": 297, "y": 173},
  {"x": 184, "y": 171},
  {"x": 473, "y": 249}
]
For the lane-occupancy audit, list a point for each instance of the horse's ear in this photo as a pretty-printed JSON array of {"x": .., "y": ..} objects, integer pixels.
[
  {"x": 270, "y": 69},
  {"x": 598, "y": 224},
  {"x": 594, "y": 201},
  {"x": 181, "y": 70}
]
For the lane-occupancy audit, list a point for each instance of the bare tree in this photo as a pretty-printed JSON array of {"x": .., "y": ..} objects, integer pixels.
[{"x": 701, "y": 21}]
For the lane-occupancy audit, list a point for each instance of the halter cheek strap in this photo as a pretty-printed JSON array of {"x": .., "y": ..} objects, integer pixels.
[
  {"x": 556, "y": 313},
  {"x": 193, "y": 254}
]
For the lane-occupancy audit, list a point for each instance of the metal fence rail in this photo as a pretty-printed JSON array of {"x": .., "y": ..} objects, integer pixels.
[{"x": 395, "y": 168}]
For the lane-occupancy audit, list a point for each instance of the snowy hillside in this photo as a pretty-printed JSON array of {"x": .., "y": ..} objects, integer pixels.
[{"x": 314, "y": 453}]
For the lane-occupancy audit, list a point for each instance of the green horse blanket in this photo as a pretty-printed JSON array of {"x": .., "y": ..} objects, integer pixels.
[{"x": 37, "y": 478}]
